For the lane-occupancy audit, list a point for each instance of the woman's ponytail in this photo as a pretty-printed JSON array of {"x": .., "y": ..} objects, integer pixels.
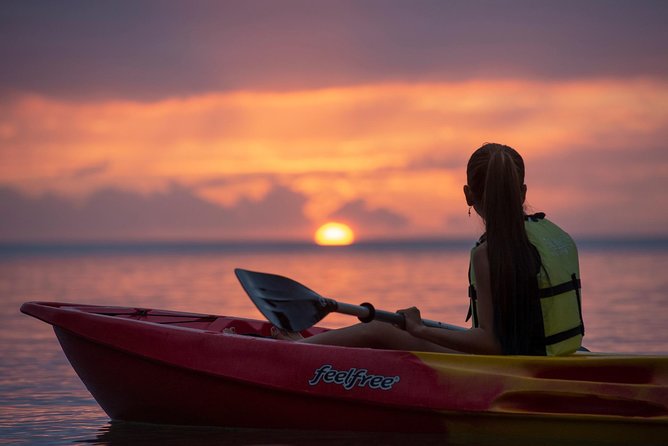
[{"x": 511, "y": 257}]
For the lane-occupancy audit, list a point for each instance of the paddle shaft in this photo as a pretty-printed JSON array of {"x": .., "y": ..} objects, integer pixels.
[{"x": 367, "y": 312}]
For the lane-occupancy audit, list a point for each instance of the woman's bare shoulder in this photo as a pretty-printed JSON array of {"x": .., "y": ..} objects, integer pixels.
[{"x": 481, "y": 261}]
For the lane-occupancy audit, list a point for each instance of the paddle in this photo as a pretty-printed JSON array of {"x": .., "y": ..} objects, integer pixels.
[{"x": 291, "y": 306}]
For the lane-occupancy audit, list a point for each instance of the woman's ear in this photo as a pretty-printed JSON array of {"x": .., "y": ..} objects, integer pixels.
[
  {"x": 523, "y": 191},
  {"x": 469, "y": 195}
]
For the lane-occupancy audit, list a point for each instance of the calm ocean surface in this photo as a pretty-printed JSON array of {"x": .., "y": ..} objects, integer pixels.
[{"x": 42, "y": 401}]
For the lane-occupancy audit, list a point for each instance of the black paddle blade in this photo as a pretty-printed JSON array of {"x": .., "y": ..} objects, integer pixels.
[{"x": 287, "y": 304}]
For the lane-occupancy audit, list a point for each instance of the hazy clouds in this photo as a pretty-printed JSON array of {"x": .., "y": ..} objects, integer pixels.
[{"x": 155, "y": 49}]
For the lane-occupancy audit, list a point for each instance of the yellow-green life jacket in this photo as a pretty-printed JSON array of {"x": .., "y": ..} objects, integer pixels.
[{"x": 558, "y": 283}]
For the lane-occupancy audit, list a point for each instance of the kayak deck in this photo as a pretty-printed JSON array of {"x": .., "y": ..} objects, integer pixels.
[{"x": 186, "y": 368}]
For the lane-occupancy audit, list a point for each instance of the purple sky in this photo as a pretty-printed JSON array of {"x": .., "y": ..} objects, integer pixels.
[{"x": 155, "y": 49}]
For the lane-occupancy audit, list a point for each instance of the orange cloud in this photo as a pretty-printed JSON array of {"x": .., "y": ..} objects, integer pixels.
[{"x": 397, "y": 146}]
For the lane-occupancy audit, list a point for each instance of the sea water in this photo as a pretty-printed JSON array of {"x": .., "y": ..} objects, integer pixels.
[{"x": 42, "y": 401}]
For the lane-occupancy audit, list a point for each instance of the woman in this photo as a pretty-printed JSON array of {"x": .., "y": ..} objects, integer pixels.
[{"x": 524, "y": 278}]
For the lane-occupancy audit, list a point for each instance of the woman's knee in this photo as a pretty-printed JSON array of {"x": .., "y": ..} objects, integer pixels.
[{"x": 376, "y": 334}]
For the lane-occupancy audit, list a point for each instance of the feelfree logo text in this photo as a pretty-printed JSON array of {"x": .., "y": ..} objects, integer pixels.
[{"x": 352, "y": 378}]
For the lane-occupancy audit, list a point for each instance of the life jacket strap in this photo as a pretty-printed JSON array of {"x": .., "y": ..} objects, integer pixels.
[
  {"x": 473, "y": 311},
  {"x": 571, "y": 285},
  {"x": 473, "y": 307},
  {"x": 473, "y": 295},
  {"x": 535, "y": 217},
  {"x": 575, "y": 279},
  {"x": 566, "y": 334}
]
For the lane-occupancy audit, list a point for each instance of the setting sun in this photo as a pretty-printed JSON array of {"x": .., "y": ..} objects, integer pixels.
[{"x": 334, "y": 234}]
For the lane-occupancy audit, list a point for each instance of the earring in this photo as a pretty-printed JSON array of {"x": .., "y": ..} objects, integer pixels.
[{"x": 469, "y": 211}]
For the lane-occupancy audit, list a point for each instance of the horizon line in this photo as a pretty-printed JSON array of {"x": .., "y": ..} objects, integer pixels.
[{"x": 656, "y": 242}]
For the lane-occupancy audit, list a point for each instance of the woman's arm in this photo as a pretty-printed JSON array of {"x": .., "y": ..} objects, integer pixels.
[{"x": 480, "y": 340}]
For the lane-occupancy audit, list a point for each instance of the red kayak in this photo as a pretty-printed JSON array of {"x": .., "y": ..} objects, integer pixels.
[{"x": 172, "y": 367}]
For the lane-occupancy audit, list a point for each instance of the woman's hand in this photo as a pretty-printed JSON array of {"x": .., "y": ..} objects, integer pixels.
[{"x": 413, "y": 320}]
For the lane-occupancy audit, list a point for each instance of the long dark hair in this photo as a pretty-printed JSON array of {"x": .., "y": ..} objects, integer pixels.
[{"x": 495, "y": 176}]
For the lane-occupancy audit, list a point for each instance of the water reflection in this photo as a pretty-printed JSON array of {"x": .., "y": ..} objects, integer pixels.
[{"x": 123, "y": 433}]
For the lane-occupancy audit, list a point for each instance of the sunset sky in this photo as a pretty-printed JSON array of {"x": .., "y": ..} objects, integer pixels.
[{"x": 232, "y": 120}]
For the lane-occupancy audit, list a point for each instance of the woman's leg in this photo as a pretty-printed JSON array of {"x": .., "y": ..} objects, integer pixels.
[{"x": 375, "y": 335}]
